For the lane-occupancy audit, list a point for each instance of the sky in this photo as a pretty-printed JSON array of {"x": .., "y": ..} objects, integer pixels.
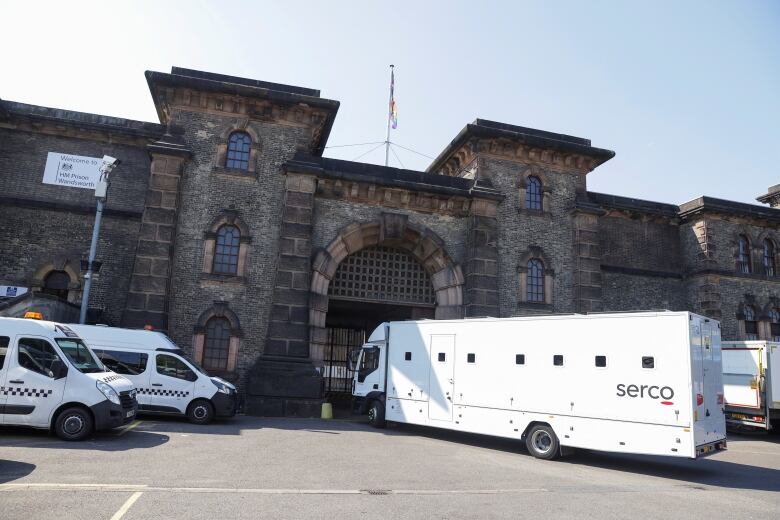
[{"x": 685, "y": 93}]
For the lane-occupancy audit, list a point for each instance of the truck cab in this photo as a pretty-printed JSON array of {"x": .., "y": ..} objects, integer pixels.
[{"x": 368, "y": 376}]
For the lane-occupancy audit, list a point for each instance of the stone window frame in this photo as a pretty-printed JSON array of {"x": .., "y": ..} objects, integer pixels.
[
  {"x": 226, "y": 218},
  {"x": 219, "y": 309},
  {"x": 746, "y": 309},
  {"x": 764, "y": 238},
  {"x": 545, "y": 188},
  {"x": 535, "y": 253},
  {"x": 254, "y": 151}
]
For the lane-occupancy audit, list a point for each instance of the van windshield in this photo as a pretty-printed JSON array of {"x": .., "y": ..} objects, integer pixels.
[{"x": 80, "y": 356}]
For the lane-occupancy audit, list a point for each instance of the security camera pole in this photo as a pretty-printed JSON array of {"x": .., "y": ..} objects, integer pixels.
[{"x": 101, "y": 191}]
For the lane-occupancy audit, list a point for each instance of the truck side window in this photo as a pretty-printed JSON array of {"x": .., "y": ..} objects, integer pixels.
[
  {"x": 369, "y": 362},
  {"x": 442, "y": 356},
  {"x": 407, "y": 356},
  {"x": 648, "y": 362},
  {"x": 4, "y": 340},
  {"x": 471, "y": 358},
  {"x": 174, "y": 367},
  {"x": 601, "y": 361},
  {"x": 558, "y": 360},
  {"x": 126, "y": 363},
  {"x": 519, "y": 359},
  {"x": 37, "y": 355}
]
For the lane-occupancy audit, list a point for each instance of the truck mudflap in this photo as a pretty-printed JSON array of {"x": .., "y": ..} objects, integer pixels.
[{"x": 705, "y": 450}]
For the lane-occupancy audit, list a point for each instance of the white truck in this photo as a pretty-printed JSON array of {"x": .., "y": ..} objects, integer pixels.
[
  {"x": 751, "y": 383},
  {"x": 647, "y": 383}
]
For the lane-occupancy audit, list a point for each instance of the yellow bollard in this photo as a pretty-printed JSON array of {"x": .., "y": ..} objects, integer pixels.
[{"x": 327, "y": 411}]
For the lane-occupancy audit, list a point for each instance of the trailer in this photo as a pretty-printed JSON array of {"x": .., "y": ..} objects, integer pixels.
[
  {"x": 647, "y": 383},
  {"x": 751, "y": 383}
]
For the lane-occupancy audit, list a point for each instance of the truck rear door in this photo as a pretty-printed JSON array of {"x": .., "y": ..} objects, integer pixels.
[
  {"x": 709, "y": 421},
  {"x": 741, "y": 377}
]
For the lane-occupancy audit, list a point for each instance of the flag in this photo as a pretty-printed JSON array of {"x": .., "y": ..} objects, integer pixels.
[{"x": 393, "y": 108}]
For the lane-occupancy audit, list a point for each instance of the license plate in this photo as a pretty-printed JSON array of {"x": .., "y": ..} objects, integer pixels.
[{"x": 130, "y": 413}]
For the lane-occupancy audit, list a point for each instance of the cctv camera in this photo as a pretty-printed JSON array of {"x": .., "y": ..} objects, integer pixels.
[{"x": 110, "y": 161}]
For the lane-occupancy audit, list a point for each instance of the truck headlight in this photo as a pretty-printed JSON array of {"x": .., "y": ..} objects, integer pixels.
[{"x": 108, "y": 391}]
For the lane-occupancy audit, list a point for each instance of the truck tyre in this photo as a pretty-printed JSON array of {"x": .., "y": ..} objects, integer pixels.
[
  {"x": 376, "y": 414},
  {"x": 200, "y": 412},
  {"x": 542, "y": 442},
  {"x": 73, "y": 424}
]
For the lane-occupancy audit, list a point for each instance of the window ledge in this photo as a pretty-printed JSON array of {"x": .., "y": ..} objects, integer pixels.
[
  {"x": 223, "y": 278},
  {"x": 537, "y": 306},
  {"x": 535, "y": 212},
  {"x": 234, "y": 172}
]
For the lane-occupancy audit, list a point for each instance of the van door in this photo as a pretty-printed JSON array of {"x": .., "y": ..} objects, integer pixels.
[
  {"x": 441, "y": 387},
  {"x": 5, "y": 345},
  {"x": 30, "y": 388},
  {"x": 172, "y": 383}
]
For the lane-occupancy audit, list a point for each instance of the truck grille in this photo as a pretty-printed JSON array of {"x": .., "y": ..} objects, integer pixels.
[{"x": 127, "y": 399}]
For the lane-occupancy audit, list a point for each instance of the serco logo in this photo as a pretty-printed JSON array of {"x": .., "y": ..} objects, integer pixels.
[{"x": 653, "y": 392}]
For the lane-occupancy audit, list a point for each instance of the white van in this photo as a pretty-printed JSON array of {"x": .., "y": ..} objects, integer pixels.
[
  {"x": 166, "y": 380},
  {"x": 50, "y": 379}
]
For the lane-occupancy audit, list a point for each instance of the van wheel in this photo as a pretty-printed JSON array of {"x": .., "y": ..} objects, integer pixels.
[
  {"x": 73, "y": 424},
  {"x": 542, "y": 442},
  {"x": 200, "y": 412},
  {"x": 376, "y": 414}
]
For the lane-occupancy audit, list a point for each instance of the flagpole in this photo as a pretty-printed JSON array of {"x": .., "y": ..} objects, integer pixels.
[{"x": 389, "y": 117}]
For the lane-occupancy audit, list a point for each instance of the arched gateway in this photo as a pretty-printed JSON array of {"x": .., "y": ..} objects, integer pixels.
[{"x": 377, "y": 271}]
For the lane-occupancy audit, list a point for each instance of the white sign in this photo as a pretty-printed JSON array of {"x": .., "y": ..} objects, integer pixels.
[
  {"x": 72, "y": 170},
  {"x": 11, "y": 291}
]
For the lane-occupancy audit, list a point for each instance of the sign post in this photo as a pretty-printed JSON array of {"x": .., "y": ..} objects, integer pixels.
[{"x": 101, "y": 192}]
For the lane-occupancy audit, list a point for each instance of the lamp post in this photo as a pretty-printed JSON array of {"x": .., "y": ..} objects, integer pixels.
[{"x": 101, "y": 192}]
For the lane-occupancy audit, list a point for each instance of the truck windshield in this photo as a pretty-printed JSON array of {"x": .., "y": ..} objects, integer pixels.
[{"x": 80, "y": 356}]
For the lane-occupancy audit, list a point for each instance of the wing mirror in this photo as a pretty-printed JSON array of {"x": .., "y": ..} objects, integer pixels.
[{"x": 58, "y": 369}]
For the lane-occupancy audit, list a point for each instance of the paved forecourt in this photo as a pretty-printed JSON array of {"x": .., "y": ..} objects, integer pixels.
[{"x": 292, "y": 468}]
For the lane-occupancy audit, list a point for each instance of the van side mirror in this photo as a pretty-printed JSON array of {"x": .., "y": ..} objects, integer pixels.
[{"x": 58, "y": 369}]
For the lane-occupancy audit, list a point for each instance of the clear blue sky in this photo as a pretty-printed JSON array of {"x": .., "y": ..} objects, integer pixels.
[{"x": 686, "y": 93}]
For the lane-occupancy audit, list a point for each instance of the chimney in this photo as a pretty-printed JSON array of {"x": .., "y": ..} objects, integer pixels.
[{"x": 772, "y": 197}]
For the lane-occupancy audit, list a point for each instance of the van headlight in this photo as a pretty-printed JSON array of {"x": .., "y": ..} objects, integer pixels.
[
  {"x": 221, "y": 387},
  {"x": 108, "y": 391}
]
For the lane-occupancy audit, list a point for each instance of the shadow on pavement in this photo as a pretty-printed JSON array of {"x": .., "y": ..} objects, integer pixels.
[
  {"x": 111, "y": 440},
  {"x": 13, "y": 469}
]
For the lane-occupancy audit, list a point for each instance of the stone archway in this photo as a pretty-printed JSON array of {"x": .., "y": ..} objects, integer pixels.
[{"x": 392, "y": 230}]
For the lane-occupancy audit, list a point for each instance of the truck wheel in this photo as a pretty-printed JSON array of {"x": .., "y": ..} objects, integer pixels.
[
  {"x": 73, "y": 424},
  {"x": 200, "y": 412},
  {"x": 376, "y": 414},
  {"x": 542, "y": 442}
]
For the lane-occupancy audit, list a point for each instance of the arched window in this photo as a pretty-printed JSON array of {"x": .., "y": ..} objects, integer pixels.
[
  {"x": 226, "y": 251},
  {"x": 743, "y": 259},
  {"x": 769, "y": 257},
  {"x": 238, "y": 151},
  {"x": 774, "y": 324},
  {"x": 751, "y": 324},
  {"x": 56, "y": 283},
  {"x": 535, "y": 281},
  {"x": 533, "y": 194},
  {"x": 216, "y": 346}
]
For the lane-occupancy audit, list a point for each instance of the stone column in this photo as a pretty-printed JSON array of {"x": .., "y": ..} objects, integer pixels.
[
  {"x": 147, "y": 301},
  {"x": 481, "y": 273},
  {"x": 284, "y": 381},
  {"x": 587, "y": 252}
]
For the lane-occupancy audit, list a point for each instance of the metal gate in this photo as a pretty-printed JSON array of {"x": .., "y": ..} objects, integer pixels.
[{"x": 338, "y": 378}]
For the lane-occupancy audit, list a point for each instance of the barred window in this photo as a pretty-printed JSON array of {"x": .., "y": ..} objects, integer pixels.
[
  {"x": 535, "y": 283},
  {"x": 217, "y": 344},
  {"x": 769, "y": 257},
  {"x": 744, "y": 255},
  {"x": 533, "y": 194},
  {"x": 238, "y": 151},
  {"x": 751, "y": 325},
  {"x": 774, "y": 323},
  {"x": 226, "y": 250}
]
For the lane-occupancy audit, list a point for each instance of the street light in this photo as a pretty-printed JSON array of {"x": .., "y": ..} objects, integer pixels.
[{"x": 101, "y": 192}]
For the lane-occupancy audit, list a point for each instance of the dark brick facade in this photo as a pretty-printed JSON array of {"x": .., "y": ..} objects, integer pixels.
[{"x": 299, "y": 215}]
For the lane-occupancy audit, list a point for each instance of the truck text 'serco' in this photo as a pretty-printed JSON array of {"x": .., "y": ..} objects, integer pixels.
[{"x": 653, "y": 392}]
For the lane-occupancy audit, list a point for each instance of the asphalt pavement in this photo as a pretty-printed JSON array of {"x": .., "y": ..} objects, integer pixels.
[{"x": 248, "y": 467}]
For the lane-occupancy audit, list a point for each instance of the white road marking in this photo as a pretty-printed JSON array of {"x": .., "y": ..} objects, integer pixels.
[
  {"x": 138, "y": 489},
  {"x": 126, "y": 506}
]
